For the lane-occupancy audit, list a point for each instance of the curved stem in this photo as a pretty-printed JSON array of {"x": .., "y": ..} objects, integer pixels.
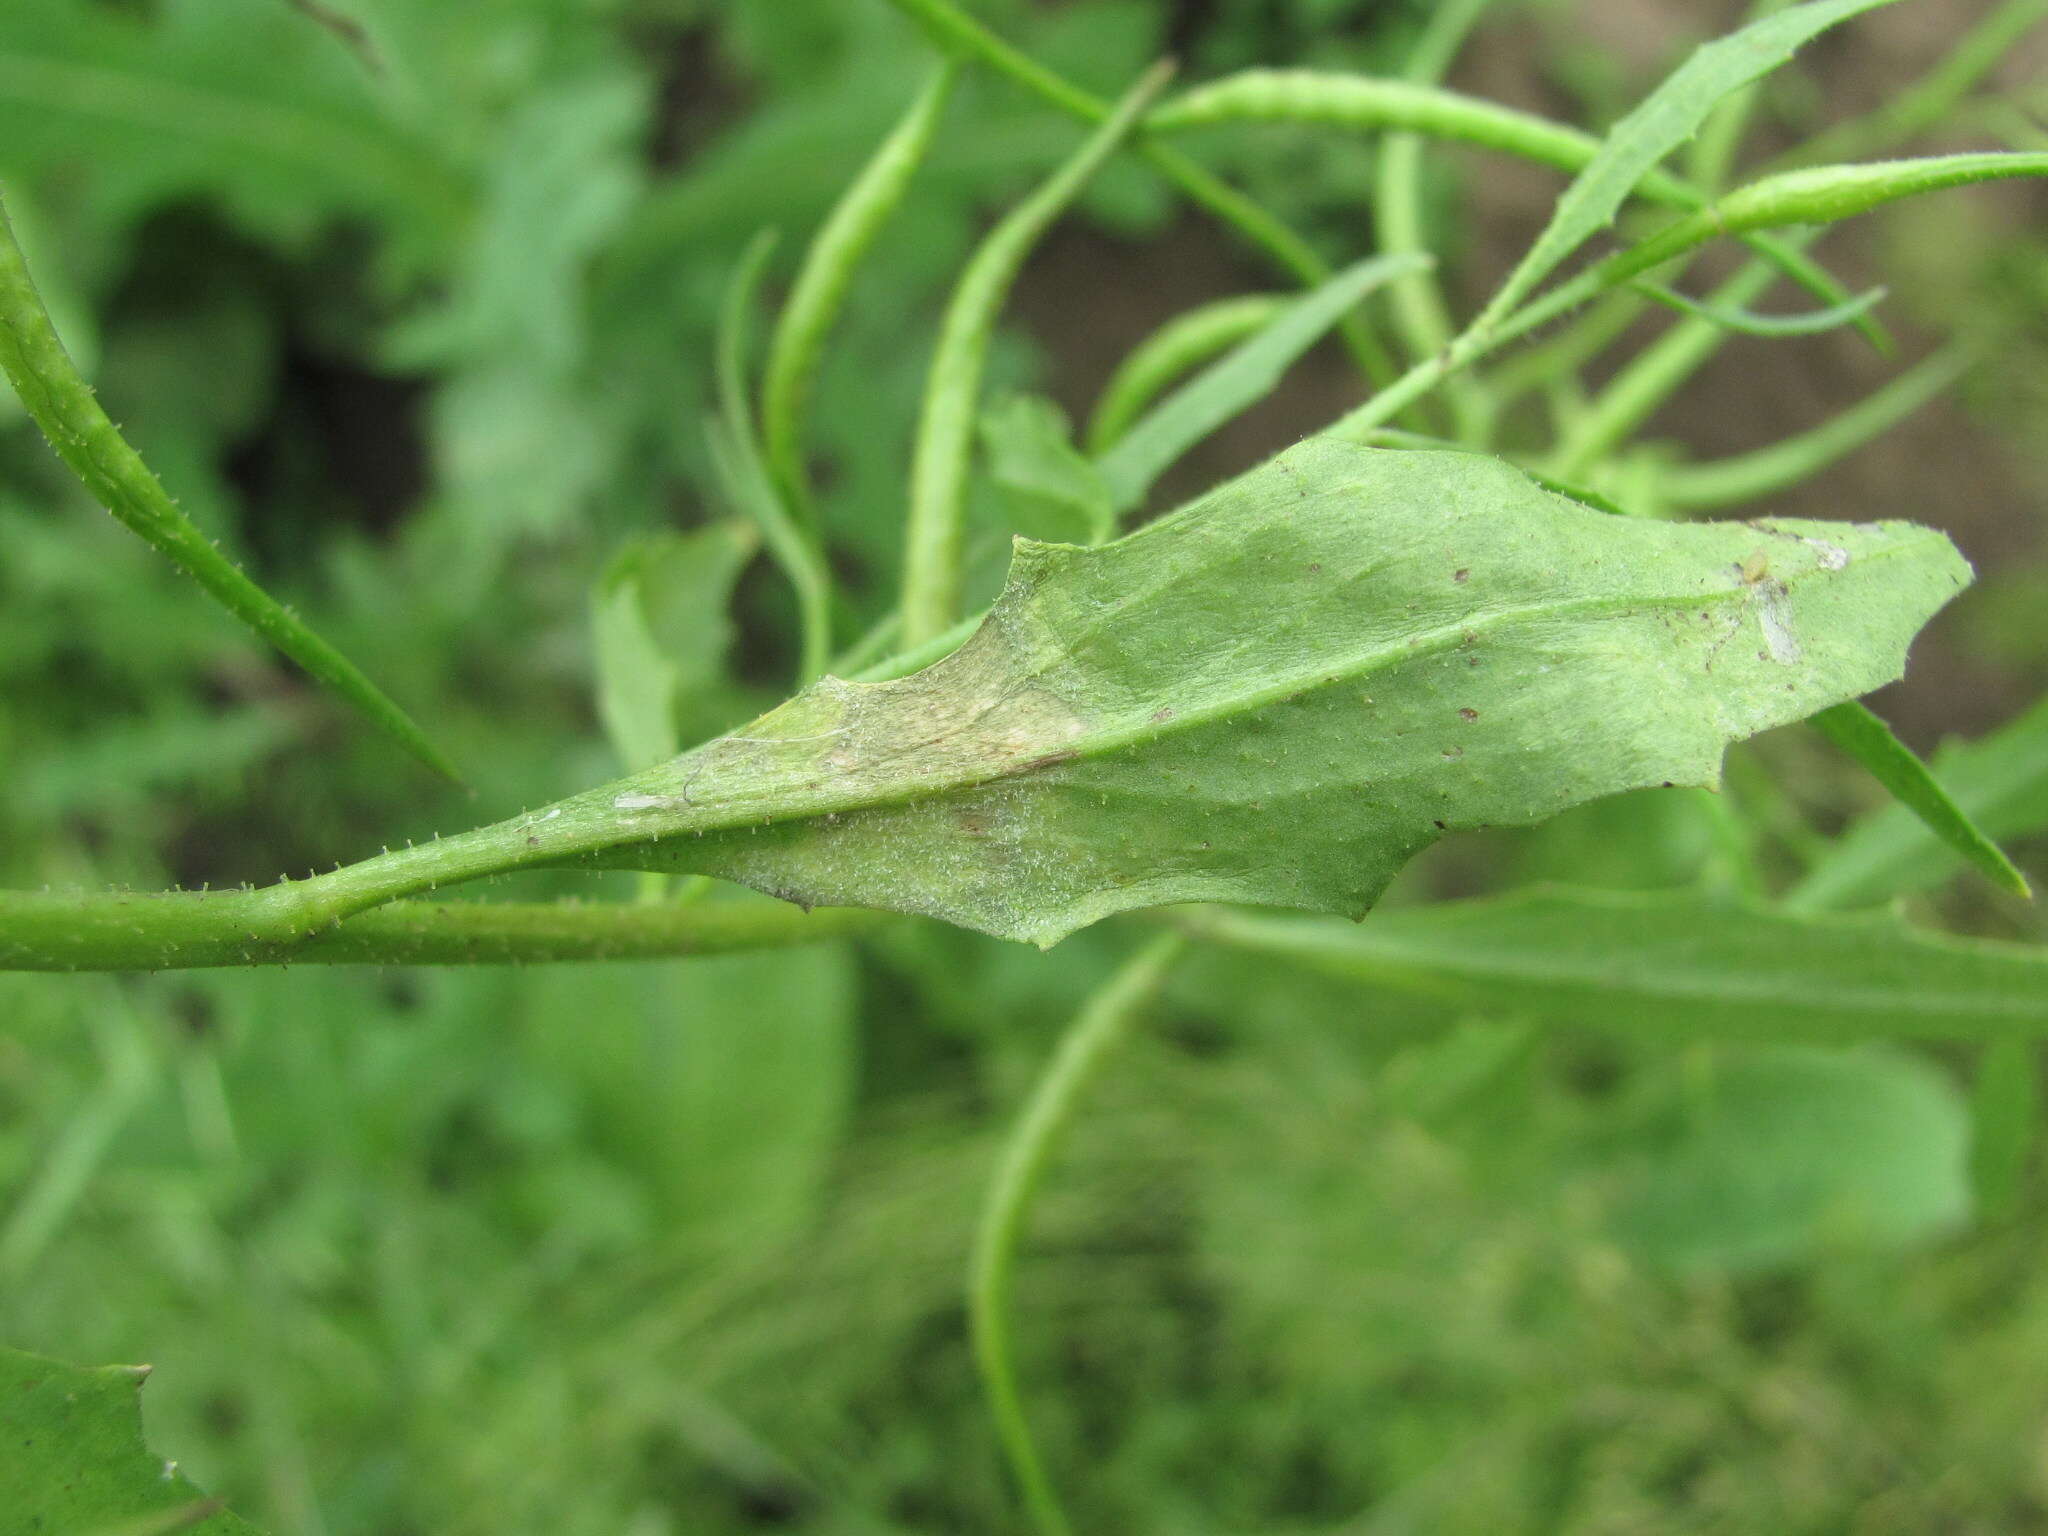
[
  {"x": 62, "y": 403},
  {"x": 1102, "y": 1022},
  {"x": 1421, "y": 317},
  {"x": 952, "y": 28}
]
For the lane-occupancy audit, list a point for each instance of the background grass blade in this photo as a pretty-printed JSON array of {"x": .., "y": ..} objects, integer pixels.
[
  {"x": 63, "y": 405},
  {"x": 1669, "y": 116},
  {"x": 1247, "y": 374},
  {"x": 1865, "y": 737}
]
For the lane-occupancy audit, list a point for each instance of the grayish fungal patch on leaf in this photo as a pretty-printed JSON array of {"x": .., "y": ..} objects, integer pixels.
[{"x": 1279, "y": 694}]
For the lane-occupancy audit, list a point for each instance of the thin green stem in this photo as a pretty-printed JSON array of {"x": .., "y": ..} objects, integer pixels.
[
  {"x": 819, "y": 293},
  {"x": 184, "y": 930},
  {"x": 954, "y": 30},
  {"x": 1421, "y": 317},
  {"x": 736, "y": 454},
  {"x": 945, "y": 436},
  {"x": 56, "y": 395},
  {"x": 1101, "y": 1024},
  {"x": 1747, "y": 476},
  {"x": 1652, "y": 376}
]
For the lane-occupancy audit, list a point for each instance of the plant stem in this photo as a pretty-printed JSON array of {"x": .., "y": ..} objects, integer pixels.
[
  {"x": 185, "y": 930},
  {"x": 1420, "y": 315},
  {"x": 954, "y": 29},
  {"x": 62, "y": 403},
  {"x": 1102, "y": 1022}
]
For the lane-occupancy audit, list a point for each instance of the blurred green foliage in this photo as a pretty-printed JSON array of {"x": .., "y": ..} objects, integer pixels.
[{"x": 420, "y": 328}]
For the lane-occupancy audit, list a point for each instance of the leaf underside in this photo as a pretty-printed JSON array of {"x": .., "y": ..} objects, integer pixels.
[
  {"x": 1278, "y": 695},
  {"x": 72, "y": 1457}
]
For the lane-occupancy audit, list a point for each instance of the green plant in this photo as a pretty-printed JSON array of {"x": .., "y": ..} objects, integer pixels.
[{"x": 1275, "y": 696}]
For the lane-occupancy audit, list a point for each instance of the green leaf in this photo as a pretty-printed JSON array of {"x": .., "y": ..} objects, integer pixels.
[
  {"x": 1802, "y": 1151},
  {"x": 2000, "y": 782},
  {"x": 75, "y": 1460},
  {"x": 1870, "y": 741},
  {"x": 63, "y": 405},
  {"x": 1249, "y": 373},
  {"x": 1665, "y": 119},
  {"x": 661, "y": 627},
  {"x": 1052, "y": 492},
  {"x": 1277, "y": 695},
  {"x": 1677, "y": 967}
]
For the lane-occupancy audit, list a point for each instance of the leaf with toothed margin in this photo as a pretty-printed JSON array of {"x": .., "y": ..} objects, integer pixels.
[
  {"x": 1279, "y": 695},
  {"x": 72, "y": 1457}
]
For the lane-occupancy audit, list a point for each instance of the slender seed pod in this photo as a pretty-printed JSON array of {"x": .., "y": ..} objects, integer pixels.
[
  {"x": 1366, "y": 104},
  {"x": 1819, "y": 196},
  {"x": 944, "y": 450},
  {"x": 819, "y": 293},
  {"x": 1178, "y": 347}
]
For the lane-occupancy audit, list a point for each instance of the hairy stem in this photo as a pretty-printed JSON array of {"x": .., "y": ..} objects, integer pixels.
[
  {"x": 185, "y": 930},
  {"x": 56, "y": 395}
]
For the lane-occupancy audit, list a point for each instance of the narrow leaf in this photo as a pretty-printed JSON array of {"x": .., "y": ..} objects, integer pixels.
[
  {"x": 1747, "y": 322},
  {"x": 62, "y": 403},
  {"x": 1248, "y": 374},
  {"x": 1187, "y": 341},
  {"x": 1870, "y": 741},
  {"x": 2000, "y": 782},
  {"x": 1684, "y": 966},
  {"x": 1276, "y": 696},
  {"x": 1665, "y": 119}
]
